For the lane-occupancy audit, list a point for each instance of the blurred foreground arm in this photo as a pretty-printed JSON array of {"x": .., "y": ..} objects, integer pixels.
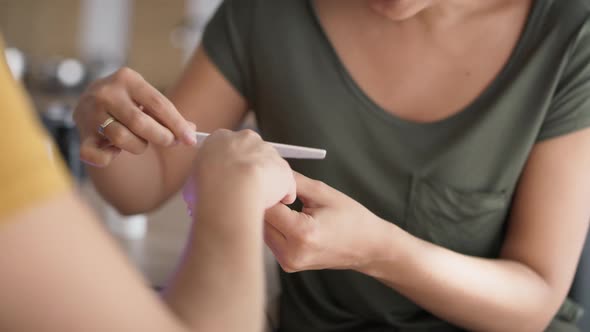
[{"x": 62, "y": 272}]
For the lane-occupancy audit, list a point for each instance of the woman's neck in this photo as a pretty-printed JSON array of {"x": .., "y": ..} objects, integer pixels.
[{"x": 437, "y": 14}]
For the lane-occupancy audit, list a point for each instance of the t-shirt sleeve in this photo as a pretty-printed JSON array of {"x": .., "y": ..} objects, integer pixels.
[
  {"x": 570, "y": 108},
  {"x": 28, "y": 173},
  {"x": 227, "y": 40}
]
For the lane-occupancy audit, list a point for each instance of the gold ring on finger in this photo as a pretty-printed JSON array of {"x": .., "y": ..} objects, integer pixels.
[{"x": 105, "y": 124}]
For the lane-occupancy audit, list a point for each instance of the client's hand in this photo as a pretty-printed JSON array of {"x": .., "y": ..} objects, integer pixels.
[
  {"x": 236, "y": 178},
  {"x": 333, "y": 231},
  {"x": 123, "y": 112},
  {"x": 234, "y": 165}
]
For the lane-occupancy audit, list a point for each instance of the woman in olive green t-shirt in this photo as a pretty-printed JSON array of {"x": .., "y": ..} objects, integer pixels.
[{"x": 458, "y": 153}]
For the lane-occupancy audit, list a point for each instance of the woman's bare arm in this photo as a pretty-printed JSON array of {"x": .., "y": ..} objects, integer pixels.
[
  {"x": 149, "y": 170},
  {"x": 522, "y": 290}
]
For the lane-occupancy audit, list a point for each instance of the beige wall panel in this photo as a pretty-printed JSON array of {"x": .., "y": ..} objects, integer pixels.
[
  {"x": 151, "y": 52},
  {"x": 41, "y": 28}
]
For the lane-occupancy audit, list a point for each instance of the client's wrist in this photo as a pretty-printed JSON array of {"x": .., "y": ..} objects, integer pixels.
[{"x": 239, "y": 204}]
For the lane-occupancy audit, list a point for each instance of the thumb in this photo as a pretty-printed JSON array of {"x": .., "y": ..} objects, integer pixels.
[
  {"x": 97, "y": 151},
  {"x": 291, "y": 193},
  {"x": 283, "y": 219},
  {"x": 312, "y": 193}
]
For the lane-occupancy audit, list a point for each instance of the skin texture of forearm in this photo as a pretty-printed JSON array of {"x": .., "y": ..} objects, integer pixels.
[
  {"x": 89, "y": 295},
  {"x": 474, "y": 293},
  {"x": 224, "y": 293},
  {"x": 132, "y": 184},
  {"x": 221, "y": 287}
]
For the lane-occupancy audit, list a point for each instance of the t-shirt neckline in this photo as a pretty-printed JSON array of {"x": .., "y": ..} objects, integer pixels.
[{"x": 487, "y": 94}]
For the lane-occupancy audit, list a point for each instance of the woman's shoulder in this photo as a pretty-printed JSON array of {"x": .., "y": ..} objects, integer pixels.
[
  {"x": 557, "y": 24},
  {"x": 269, "y": 11},
  {"x": 567, "y": 16},
  {"x": 581, "y": 6}
]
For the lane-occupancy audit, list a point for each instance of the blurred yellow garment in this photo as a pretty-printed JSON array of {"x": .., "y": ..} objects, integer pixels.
[{"x": 28, "y": 173}]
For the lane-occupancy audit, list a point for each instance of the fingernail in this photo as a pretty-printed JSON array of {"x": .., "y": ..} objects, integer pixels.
[{"x": 190, "y": 137}]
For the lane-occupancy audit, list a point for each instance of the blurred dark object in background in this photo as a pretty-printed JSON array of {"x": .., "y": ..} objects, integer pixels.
[
  {"x": 581, "y": 289},
  {"x": 55, "y": 86},
  {"x": 58, "y": 120},
  {"x": 58, "y": 76}
]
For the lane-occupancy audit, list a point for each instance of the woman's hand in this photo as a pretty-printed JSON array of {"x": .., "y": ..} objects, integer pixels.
[
  {"x": 142, "y": 116},
  {"x": 332, "y": 232},
  {"x": 239, "y": 165}
]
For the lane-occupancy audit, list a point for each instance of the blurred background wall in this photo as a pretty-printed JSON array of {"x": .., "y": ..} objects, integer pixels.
[
  {"x": 41, "y": 28},
  {"x": 48, "y": 29}
]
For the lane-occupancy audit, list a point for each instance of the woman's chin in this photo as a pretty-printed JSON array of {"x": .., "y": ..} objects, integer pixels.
[{"x": 397, "y": 10}]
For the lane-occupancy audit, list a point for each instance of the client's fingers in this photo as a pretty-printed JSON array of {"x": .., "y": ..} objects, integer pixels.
[
  {"x": 97, "y": 151},
  {"x": 274, "y": 240},
  {"x": 292, "y": 192},
  {"x": 159, "y": 107},
  {"x": 283, "y": 219},
  {"x": 121, "y": 137}
]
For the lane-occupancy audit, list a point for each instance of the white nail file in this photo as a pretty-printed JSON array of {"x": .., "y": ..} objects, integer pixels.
[{"x": 285, "y": 150}]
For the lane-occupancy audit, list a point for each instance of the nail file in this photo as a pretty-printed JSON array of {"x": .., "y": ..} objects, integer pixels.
[{"x": 285, "y": 150}]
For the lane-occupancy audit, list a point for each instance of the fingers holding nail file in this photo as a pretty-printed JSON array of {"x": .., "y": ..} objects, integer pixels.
[{"x": 286, "y": 151}]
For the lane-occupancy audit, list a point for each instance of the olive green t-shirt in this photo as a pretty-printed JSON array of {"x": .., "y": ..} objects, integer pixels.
[{"x": 449, "y": 182}]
